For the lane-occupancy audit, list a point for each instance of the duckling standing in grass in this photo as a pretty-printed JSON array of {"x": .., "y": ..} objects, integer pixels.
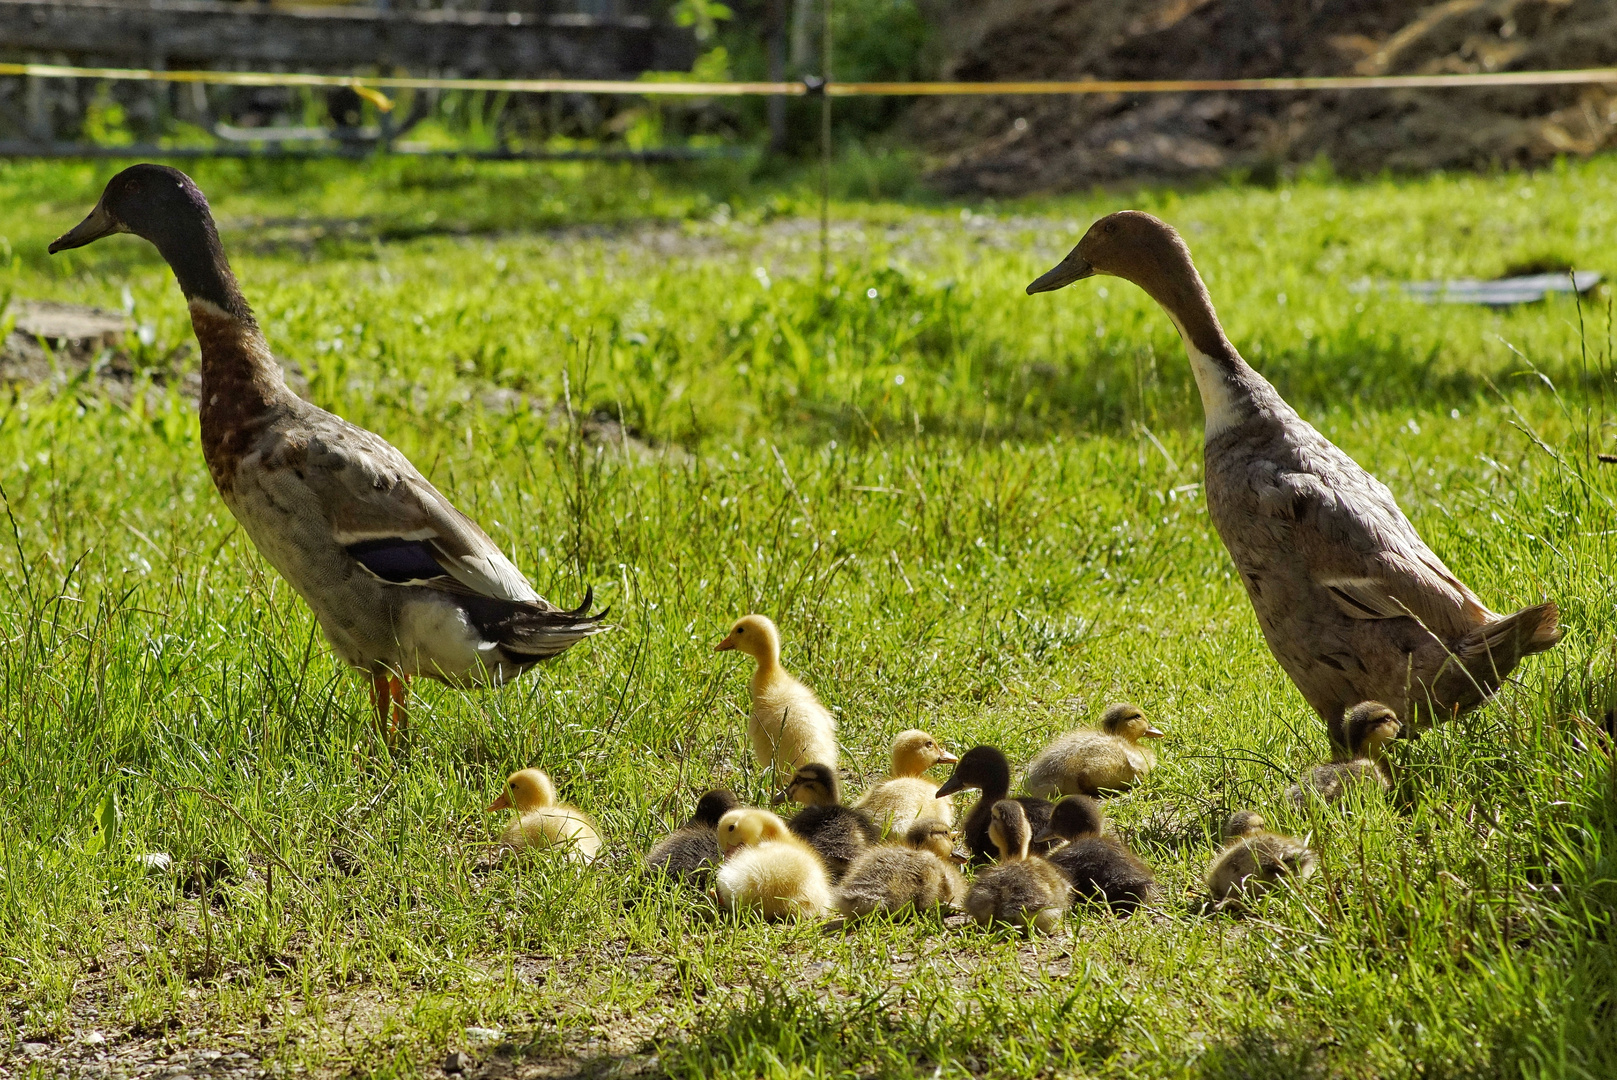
[
  {"x": 987, "y": 769},
  {"x": 788, "y": 726},
  {"x": 917, "y": 875},
  {"x": 1100, "y": 867},
  {"x": 692, "y": 850},
  {"x": 1368, "y": 728},
  {"x": 1022, "y": 889},
  {"x": 1254, "y": 860},
  {"x": 839, "y": 833},
  {"x": 1088, "y": 762},
  {"x": 769, "y": 869},
  {"x": 906, "y": 795},
  {"x": 544, "y": 822}
]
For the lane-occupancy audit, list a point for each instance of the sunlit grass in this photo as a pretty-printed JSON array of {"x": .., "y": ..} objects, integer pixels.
[{"x": 991, "y": 548}]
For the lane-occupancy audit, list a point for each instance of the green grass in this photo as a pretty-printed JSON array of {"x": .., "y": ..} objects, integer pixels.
[{"x": 991, "y": 548}]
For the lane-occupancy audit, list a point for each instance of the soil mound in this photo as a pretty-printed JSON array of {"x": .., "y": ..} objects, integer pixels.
[{"x": 1015, "y": 145}]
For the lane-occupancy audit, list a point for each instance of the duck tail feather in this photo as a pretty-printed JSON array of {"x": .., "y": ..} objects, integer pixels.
[
  {"x": 527, "y": 631},
  {"x": 1530, "y": 630}
]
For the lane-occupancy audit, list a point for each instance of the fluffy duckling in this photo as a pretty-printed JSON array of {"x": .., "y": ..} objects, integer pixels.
[
  {"x": 986, "y": 769},
  {"x": 1088, "y": 762},
  {"x": 769, "y": 869},
  {"x": 917, "y": 875},
  {"x": 692, "y": 850},
  {"x": 1253, "y": 859},
  {"x": 839, "y": 833},
  {"x": 1023, "y": 889},
  {"x": 1368, "y": 727},
  {"x": 906, "y": 795},
  {"x": 542, "y": 821},
  {"x": 788, "y": 726},
  {"x": 1100, "y": 867}
]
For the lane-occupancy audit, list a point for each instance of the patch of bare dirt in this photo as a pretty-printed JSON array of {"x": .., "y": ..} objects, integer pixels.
[{"x": 1016, "y": 145}]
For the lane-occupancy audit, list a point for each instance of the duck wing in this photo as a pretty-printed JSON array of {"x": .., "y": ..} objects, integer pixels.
[
  {"x": 394, "y": 523},
  {"x": 1355, "y": 543}
]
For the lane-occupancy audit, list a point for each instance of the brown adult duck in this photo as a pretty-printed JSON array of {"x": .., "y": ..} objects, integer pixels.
[
  {"x": 402, "y": 583},
  {"x": 1353, "y": 604}
]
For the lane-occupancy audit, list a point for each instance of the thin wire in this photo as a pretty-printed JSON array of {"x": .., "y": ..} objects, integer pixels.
[{"x": 1586, "y": 76}]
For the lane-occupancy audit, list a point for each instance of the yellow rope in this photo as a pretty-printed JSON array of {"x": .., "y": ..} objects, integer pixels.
[{"x": 367, "y": 86}]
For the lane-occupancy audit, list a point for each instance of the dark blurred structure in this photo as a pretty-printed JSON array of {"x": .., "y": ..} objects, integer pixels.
[
  {"x": 1015, "y": 145},
  {"x": 590, "y": 39}
]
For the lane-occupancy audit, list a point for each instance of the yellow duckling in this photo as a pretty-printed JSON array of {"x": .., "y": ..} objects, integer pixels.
[
  {"x": 918, "y": 875},
  {"x": 769, "y": 869},
  {"x": 788, "y": 726},
  {"x": 542, "y": 821},
  {"x": 1255, "y": 860},
  {"x": 1088, "y": 762},
  {"x": 1367, "y": 728},
  {"x": 907, "y": 796},
  {"x": 1022, "y": 889}
]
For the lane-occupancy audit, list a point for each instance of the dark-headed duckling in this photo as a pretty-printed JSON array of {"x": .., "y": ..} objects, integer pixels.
[
  {"x": 987, "y": 769},
  {"x": 401, "y": 581},
  {"x": 692, "y": 850},
  {"x": 1100, "y": 867},
  {"x": 918, "y": 875},
  {"x": 1255, "y": 860},
  {"x": 1022, "y": 889},
  {"x": 839, "y": 833},
  {"x": 1368, "y": 727}
]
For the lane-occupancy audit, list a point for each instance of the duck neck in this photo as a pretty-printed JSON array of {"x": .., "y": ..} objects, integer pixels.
[
  {"x": 996, "y": 782},
  {"x": 1228, "y": 385},
  {"x": 239, "y": 374},
  {"x": 768, "y": 669}
]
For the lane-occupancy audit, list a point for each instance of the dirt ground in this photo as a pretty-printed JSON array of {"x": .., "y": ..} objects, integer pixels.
[{"x": 1018, "y": 145}]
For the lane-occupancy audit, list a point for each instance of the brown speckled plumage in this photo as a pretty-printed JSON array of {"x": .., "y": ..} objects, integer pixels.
[{"x": 1351, "y": 601}]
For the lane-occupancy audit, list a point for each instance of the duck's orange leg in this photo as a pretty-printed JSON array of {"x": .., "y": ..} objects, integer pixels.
[
  {"x": 398, "y": 689},
  {"x": 381, "y": 702}
]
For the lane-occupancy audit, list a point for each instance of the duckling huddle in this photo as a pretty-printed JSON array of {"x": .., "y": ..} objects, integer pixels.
[{"x": 893, "y": 852}]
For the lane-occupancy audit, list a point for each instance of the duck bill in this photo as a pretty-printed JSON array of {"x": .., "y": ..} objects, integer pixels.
[
  {"x": 724, "y": 646},
  {"x": 502, "y": 803},
  {"x": 99, "y": 223},
  {"x": 779, "y": 797},
  {"x": 959, "y": 858},
  {"x": 950, "y": 786},
  {"x": 946, "y": 758},
  {"x": 1153, "y": 733},
  {"x": 1046, "y": 837},
  {"x": 1073, "y": 268}
]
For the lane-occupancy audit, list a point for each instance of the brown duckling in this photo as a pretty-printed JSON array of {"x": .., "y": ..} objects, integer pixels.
[
  {"x": 987, "y": 769},
  {"x": 1089, "y": 762},
  {"x": 1022, "y": 889},
  {"x": 1100, "y": 867},
  {"x": 768, "y": 869},
  {"x": 918, "y": 875},
  {"x": 692, "y": 850},
  {"x": 1368, "y": 727},
  {"x": 839, "y": 833},
  {"x": 1254, "y": 860}
]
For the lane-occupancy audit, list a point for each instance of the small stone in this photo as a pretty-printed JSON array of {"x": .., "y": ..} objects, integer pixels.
[
  {"x": 34, "y": 1049},
  {"x": 484, "y": 1035},
  {"x": 94, "y": 1038},
  {"x": 458, "y": 1062},
  {"x": 210, "y": 1055}
]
